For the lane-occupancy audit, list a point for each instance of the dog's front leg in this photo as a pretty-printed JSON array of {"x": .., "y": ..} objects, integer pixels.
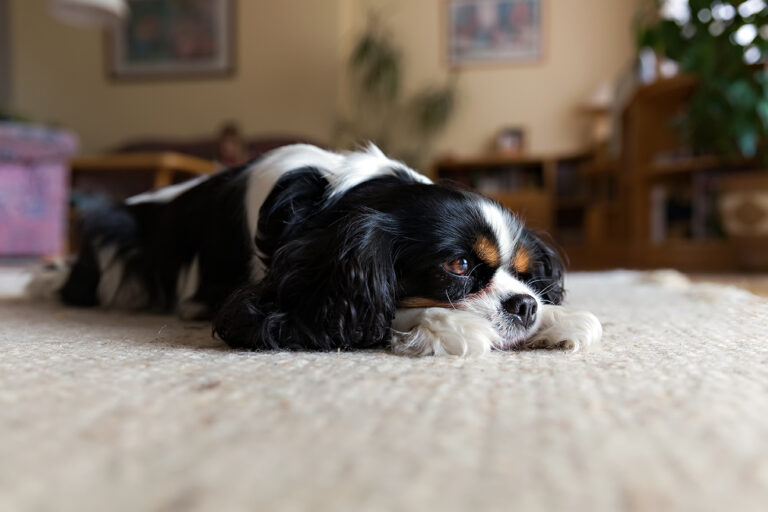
[
  {"x": 440, "y": 331},
  {"x": 566, "y": 328}
]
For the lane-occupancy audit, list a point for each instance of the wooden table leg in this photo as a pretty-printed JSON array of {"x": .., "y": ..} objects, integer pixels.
[{"x": 163, "y": 177}]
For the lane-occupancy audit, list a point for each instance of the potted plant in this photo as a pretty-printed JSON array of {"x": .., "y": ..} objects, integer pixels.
[
  {"x": 402, "y": 126},
  {"x": 724, "y": 44}
]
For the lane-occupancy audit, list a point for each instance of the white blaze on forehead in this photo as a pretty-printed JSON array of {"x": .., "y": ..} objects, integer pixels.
[
  {"x": 504, "y": 286},
  {"x": 504, "y": 226}
]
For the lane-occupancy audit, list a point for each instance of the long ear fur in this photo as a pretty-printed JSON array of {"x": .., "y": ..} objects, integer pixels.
[
  {"x": 332, "y": 288},
  {"x": 548, "y": 270}
]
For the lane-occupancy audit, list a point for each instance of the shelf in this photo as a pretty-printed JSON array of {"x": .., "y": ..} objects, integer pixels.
[
  {"x": 691, "y": 255},
  {"x": 525, "y": 195},
  {"x": 500, "y": 160},
  {"x": 688, "y": 255},
  {"x": 692, "y": 164},
  {"x": 150, "y": 161},
  {"x": 680, "y": 85},
  {"x": 534, "y": 206},
  {"x": 598, "y": 168},
  {"x": 568, "y": 203}
]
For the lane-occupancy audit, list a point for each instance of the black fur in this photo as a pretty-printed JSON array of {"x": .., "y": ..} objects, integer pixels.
[
  {"x": 155, "y": 240},
  {"x": 547, "y": 271}
]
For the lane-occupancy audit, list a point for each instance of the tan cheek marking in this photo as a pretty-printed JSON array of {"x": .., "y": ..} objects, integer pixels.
[
  {"x": 522, "y": 262},
  {"x": 487, "y": 251},
  {"x": 422, "y": 302}
]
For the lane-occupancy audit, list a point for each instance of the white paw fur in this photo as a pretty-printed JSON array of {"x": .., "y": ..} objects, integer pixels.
[
  {"x": 566, "y": 328},
  {"x": 438, "y": 331},
  {"x": 46, "y": 282}
]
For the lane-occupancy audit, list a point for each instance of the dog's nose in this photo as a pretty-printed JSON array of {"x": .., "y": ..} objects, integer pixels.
[{"x": 522, "y": 308}]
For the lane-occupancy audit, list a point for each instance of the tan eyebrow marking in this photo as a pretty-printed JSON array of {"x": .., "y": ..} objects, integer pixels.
[
  {"x": 522, "y": 261},
  {"x": 487, "y": 251},
  {"x": 422, "y": 302}
]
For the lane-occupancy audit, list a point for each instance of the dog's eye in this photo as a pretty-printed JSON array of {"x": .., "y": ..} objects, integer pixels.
[{"x": 459, "y": 266}]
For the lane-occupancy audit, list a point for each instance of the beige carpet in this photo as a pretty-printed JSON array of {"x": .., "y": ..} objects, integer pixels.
[{"x": 101, "y": 411}]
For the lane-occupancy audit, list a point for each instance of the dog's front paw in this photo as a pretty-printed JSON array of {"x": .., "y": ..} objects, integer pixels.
[
  {"x": 566, "y": 329},
  {"x": 439, "y": 331}
]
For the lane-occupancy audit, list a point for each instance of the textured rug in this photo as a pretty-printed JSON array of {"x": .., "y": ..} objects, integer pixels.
[{"x": 101, "y": 411}]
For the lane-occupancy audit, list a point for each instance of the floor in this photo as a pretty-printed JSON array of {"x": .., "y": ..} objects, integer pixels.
[
  {"x": 755, "y": 283},
  {"x": 100, "y": 410}
]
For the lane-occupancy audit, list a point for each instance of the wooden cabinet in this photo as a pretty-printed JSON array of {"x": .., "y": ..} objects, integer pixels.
[
  {"x": 671, "y": 192},
  {"x": 531, "y": 186},
  {"x": 652, "y": 206}
]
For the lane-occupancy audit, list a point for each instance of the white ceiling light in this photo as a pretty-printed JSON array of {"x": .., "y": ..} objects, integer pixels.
[{"x": 89, "y": 13}]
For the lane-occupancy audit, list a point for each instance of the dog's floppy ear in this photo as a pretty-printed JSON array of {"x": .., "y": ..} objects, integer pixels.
[
  {"x": 547, "y": 269},
  {"x": 331, "y": 288}
]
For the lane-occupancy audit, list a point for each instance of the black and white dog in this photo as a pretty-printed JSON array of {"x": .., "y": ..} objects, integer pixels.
[{"x": 309, "y": 249}]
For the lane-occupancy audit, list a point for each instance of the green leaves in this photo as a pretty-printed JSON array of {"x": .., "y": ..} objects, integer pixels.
[
  {"x": 728, "y": 113},
  {"x": 433, "y": 107},
  {"x": 377, "y": 64},
  {"x": 402, "y": 127}
]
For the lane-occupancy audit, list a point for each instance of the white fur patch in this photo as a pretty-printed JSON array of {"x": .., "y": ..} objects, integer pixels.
[
  {"x": 360, "y": 166},
  {"x": 566, "y": 328},
  {"x": 111, "y": 274},
  {"x": 46, "y": 282},
  {"x": 439, "y": 331},
  {"x": 187, "y": 283},
  {"x": 166, "y": 194},
  {"x": 505, "y": 227},
  {"x": 188, "y": 280}
]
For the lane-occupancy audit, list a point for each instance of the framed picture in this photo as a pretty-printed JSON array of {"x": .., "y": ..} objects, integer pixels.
[
  {"x": 162, "y": 39},
  {"x": 494, "y": 31}
]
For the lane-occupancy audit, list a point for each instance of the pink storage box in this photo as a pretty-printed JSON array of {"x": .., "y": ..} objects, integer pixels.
[{"x": 34, "y": 188}]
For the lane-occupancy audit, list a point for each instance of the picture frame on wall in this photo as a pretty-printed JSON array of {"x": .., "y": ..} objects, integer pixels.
[
  {"x": 494, "y": 31},
  {"x": 168, "y": 39}
]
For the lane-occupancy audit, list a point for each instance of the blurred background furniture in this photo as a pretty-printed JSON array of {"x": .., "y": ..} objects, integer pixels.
[
  {"x": 34, "y": 188},
  {"x": 117, "y": 176},
  {"x": 159, "y": 169},
  {"x": 207, "y": 148},
  {"x": 139, "y": 166},
  {"x": 540, "y": 189}
]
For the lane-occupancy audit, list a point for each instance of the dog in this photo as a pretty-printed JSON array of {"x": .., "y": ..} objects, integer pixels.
[{"x": 307, "y": 249}]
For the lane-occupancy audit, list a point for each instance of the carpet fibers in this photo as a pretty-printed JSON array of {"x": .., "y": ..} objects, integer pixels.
[{"x": 103, "y": 411}]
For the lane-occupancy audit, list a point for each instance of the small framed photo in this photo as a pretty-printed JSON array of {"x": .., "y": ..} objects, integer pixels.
[
  {"x": 167, "y": 39},
  {"x": 494, "y": 31},
  {"x": 510, "y": 141}
]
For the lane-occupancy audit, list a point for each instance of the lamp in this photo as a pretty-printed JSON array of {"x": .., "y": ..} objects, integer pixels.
[{"x": 89, "y": 13}]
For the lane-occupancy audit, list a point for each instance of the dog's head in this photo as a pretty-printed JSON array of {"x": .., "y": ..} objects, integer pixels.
[{"x": 338, "y": 275}]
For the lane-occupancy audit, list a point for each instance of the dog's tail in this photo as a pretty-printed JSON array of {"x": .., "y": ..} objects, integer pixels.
[{"x": 107, "y": 269}]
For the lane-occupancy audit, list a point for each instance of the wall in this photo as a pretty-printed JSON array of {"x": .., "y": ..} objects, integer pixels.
[
  {"x": 5, "y": 55},
  {"x": 291, "y": 61},
  {"x": 286, "y": 81},
  {"x": 588, "y": 41}
]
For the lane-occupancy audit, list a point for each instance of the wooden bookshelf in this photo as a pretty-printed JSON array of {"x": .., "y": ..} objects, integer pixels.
[
  {"x": 650, "y": 143},
  {"x": 533, "y": 206},
  {"x": 685, "y": 166},
  {"x": 532, "y": 186},
  {"x": 606, "y": 213}
]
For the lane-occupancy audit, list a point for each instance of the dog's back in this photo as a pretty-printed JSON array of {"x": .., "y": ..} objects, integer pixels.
[
  {"x": 188, "y": 246},
  {"x": 185, "y": 249}
]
